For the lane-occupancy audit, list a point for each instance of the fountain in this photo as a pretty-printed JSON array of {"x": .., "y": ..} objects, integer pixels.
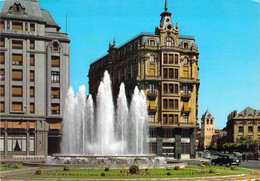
[{"x": 106, "y": 135}]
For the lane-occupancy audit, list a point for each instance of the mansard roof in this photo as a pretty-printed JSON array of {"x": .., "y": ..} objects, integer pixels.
[
  {"x": 249, "y": 111},
  {"x": 27, "y": 10}
]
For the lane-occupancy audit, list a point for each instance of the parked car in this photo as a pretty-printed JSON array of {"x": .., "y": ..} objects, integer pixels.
[
  {"x": 225, "y": 159},
  {"x": 207, "y": 156}
]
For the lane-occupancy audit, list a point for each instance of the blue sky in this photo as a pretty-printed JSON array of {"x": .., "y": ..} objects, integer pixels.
[{"x": 227, "y": 33}]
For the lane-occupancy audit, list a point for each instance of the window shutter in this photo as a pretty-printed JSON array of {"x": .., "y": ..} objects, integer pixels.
[
  {"x": 17, "y": 44},
  {"x": 55, "y": 125},
  {"x": 152, "y": 105},
  {"x": 2, "y": 42},
  {"x": 17, "y": 91},
  {"x": 2, "y": 90},
  {"x": 32, "y": 60},
  {"x": 31, "y": 107},
  {"x": 55, "y": 61},
  {"x": 2, "y": 124},
  {"x": 31, "y": 125},
  {"x": 2, "y": 106},
  {"x": 2, "y": 58},
  {"x": 185, "y": 74},
  {"x": 151, "y": 72},
  {"x": 17, "y": 74},
  {"x": 55, "y": 107},
  {"x": 55, "y": 91},
  {"x": 31, "y": 91},
  {"x": 186, "y": 106},
  {"x": 17, "y": 106}
]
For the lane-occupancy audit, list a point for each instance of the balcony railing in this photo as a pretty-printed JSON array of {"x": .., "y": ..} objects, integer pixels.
[
  {"x": 189, "y": 80},
  {"x": 152, "y": 95},
  {"x": 185, "y": 95}
]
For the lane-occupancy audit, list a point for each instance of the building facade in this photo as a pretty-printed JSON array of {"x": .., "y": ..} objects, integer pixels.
[
  {"x": 164, "y": 65},
  {"x": 207, "y": 130},
  {"x": 34, "y": 78},
  {"x": 247, "y": 123}
]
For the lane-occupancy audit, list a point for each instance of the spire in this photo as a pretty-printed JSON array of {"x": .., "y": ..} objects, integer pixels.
[{"x": 166, "y": 7}]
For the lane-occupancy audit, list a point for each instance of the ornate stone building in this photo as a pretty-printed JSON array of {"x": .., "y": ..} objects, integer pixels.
[
  {"x": 165, "y": 65},
  {"x": 34, "y": 78},
  {"x": 247, "y": 122}
]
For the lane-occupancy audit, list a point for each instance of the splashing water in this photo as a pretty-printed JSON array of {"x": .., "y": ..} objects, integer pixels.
[{"x": 106, "y": 131}]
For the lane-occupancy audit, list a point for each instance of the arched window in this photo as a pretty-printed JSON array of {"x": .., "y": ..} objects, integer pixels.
[
  {"x": 207, "y": 121},
  {"x": 185, "y": 60},
  {"x": 152, "y": 58},
  {"x": 168, "y": 41},
  {"x": 211, "y": 121},
  {"x": 55, "y": 46}
]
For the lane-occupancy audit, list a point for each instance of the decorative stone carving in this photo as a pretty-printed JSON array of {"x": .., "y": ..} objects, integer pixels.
[{"x": 17, "y": 9}]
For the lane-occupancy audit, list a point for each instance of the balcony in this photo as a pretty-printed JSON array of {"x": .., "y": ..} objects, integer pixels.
[
  {"x": 189, "y": 80},
  {"x": 152, "y": 108},
  {"x": 151, "y": 77},
  {"x": 152, "y": 95},
  {"x": 185, "y": 95}
]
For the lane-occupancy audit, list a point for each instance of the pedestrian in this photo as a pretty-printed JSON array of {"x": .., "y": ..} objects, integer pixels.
[{"x": 243, "y": 157}]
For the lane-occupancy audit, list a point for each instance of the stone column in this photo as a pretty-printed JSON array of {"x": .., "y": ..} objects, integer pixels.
[
  {"x": 5, "y": 143},
  {"x": 27, "y": 143},
  {"x": 193, "y": 143},
  {"x": 177, "y": 143},
  {"x": 159, "y": 142}
]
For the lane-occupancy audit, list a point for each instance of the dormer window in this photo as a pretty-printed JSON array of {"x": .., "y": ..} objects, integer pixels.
[
  {"x": 185, "y": 60},
  {"x": 152, "y": 43},
  {"x": 168, "y": 41},
  {"x": 186, "y": 45},
  {"x": 55, "y": 46},
  {"x": 152, "y": 58}
]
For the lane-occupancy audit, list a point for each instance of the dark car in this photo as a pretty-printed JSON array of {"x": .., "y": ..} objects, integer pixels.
[{"x": 225, "y": 159}]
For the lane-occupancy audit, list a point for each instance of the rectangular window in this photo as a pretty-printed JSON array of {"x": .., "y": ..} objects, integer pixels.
[
  {"x": 176, "y": 59},
  {"x": 17, "y": 106},
  {"x": 17, "y": 91},
  {"x": 152, "y": 133},
  {"x": 55, "y": 77},
  {"x": 165, "y": 106},
  {"x": 32, "y": 44},
  {"x": 258, "y": 129},
  {"x": 2, "y": 74},
  {"x": 2, "y": 58},
  {"x": 170, "y": 58},
  {"x": 171, "y": 119},
  {"x": 176, "y": 71},
  {"x": 151, "y": 118},
  {"x": 2, "y": 106},
  {"x": 186, "y": 106},
  {"x": 185, "y": 88},
  {"x": 152, "y": 105},
  {"x": 170, "y": 103},
  {"x": 55, "y": 108},
  {"x": 17, "y": 59},
  {"x": 55, "y": 61},
  {"x": 152, "y": 43},
  {"x": 176, "y": 118},
  {"x": 165, "y": 88},
  {"x": 165, "y": 119},
  {"x": 32, "y": 27},
  {"x": 170, "y": 88},
  {"x": 31, "y": 92},
  {"x": 2, "y": 24},
  {"x": 240, "y": 129},
  {"x": 165, "y": 61},
  {"x": 165, "y": 73},
  {"x": 176, "y": 104},
  {"x": 55, "y": 93},
  {"x": 17, "y": 44},
  {"x": 151, "y": 88},
  {"x": 17, "y": 75},
  {"x": 2, "y": 42},
  {"x": 32, "y": 60},
  {"x": 185, "y": 133},
  {"x": 17, "y": 26},
  {"x": 32, "y": 108},
  {"x": 185, "y": 118},
  {"x": 250, "y": 129},
  {"x": 171, "y": 73},
  {"x": 31, "y": 76},
  {"x": 2, "y": 90},
  {"x": 176, "y": 89},
  {"x": 185, "y": 148}
]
